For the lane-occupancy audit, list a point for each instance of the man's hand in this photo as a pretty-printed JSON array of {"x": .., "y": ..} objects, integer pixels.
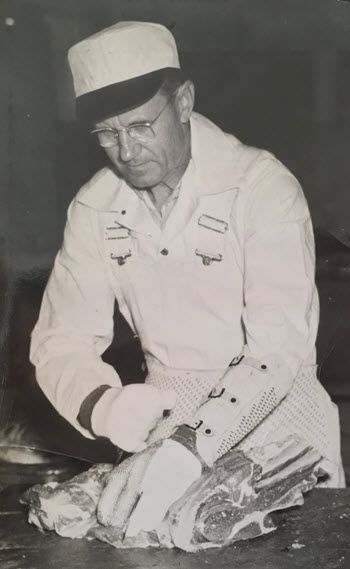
[
  {"x": 122, "y": 490},
  {"x": 141, "y": 489},
  {"x": 127, "y": 415},
  {"x": 169, "y": 473}
]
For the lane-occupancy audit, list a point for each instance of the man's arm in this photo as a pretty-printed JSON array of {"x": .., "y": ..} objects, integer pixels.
[
  {"x": 281, "y": 303},
  {"x": 75, "y": 325}
]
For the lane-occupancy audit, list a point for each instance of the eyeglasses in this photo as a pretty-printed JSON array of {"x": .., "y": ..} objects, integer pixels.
[{"x": 142, "y": 132}]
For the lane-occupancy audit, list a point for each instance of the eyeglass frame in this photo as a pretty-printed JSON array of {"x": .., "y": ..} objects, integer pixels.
[{"x": 116, "y": 131}]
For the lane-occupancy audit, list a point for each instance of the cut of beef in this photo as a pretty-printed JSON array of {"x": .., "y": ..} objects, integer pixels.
[{"x": 231, "y": 501}]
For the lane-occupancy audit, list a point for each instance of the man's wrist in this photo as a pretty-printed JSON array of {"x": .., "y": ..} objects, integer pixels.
[
  {"x": 87, "y": 407},
  {"x": 102, "y": 413},
  {"x": 186, "y": 436}
]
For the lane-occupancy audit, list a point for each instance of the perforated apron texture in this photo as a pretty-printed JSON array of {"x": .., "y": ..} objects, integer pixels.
[
  {"x": 192, "y": 388},
  {"x": 307, "y": 411}
]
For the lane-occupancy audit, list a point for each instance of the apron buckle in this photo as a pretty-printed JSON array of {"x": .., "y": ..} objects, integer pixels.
[
  {"x": 208, "y": 259},
  {"x": 121, "y": 258},
  {"x": 213, "y": 223}
]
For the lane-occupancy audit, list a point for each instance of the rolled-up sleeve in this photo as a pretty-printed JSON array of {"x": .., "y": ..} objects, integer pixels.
[
  {"x": 75, "y": 324},
  {"x": 280, "y": 297}
]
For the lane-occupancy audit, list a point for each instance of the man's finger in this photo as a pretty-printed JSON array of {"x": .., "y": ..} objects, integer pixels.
[
  {"x": 138, "y": 447},
  {"x": 128, "y": 499},
  {"x": 131, "y": 444},
  {"x": 113, "y": 490}
]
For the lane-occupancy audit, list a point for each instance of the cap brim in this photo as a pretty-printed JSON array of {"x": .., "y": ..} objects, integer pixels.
[{"x": 120, "y": 97}]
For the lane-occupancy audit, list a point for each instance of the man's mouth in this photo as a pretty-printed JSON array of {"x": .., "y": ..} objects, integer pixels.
[{"x": 135, "y": 165}]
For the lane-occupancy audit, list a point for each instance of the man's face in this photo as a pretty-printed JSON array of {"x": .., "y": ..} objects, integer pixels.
[{"x": 146, "y": 164}]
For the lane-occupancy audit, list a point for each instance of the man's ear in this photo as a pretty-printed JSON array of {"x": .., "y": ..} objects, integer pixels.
[{"x": 185, "y": 100}]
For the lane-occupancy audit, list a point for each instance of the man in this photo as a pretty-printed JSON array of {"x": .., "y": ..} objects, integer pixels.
[{"x": 207, "y": 246}]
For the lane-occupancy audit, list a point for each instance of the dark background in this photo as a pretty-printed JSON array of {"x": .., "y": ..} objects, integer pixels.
[{"x": 275, "y": 73}]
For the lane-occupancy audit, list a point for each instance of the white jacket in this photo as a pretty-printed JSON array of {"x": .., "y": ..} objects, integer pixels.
[{"x": 233, "y": 267}]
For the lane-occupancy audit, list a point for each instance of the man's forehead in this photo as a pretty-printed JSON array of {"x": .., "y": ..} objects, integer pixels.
[{"x": 143, "y": 113}]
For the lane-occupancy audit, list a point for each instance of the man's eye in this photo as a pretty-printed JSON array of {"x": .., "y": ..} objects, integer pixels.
[
  {"x": 110, "y": 134},
  {"x": 141, "y": 131}
]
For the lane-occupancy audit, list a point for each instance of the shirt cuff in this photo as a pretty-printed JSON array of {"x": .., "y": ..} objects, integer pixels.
[{"x": 87, "y": 406}]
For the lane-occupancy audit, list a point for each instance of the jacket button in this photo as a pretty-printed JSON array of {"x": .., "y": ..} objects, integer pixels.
[{"x": 164, "y": 252}]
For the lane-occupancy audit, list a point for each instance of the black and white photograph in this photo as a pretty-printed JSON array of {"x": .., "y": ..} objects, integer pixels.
[{"x": 175, "y": 284}]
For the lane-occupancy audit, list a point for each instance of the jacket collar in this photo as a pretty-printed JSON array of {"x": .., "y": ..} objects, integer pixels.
[
  {"x": 214, "y": 168},
  {"x": 215, "y": 156}
]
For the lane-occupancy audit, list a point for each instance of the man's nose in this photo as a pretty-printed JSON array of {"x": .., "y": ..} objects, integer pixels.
[{"x": 129, "y": 148}]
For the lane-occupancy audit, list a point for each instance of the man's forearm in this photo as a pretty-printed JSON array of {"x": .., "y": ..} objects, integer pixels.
[{"x": 248, "y": 392}]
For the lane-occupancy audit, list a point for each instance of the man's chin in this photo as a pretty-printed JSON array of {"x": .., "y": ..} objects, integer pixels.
[{"x": 141, "y": 181}]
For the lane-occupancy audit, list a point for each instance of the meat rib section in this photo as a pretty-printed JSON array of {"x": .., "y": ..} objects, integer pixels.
[
  {"x": 230, "y": 502},
  {"x": 234, "y": 500}
]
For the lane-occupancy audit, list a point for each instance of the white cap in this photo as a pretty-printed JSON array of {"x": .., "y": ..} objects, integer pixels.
[{"x": 121, "y": 67}]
